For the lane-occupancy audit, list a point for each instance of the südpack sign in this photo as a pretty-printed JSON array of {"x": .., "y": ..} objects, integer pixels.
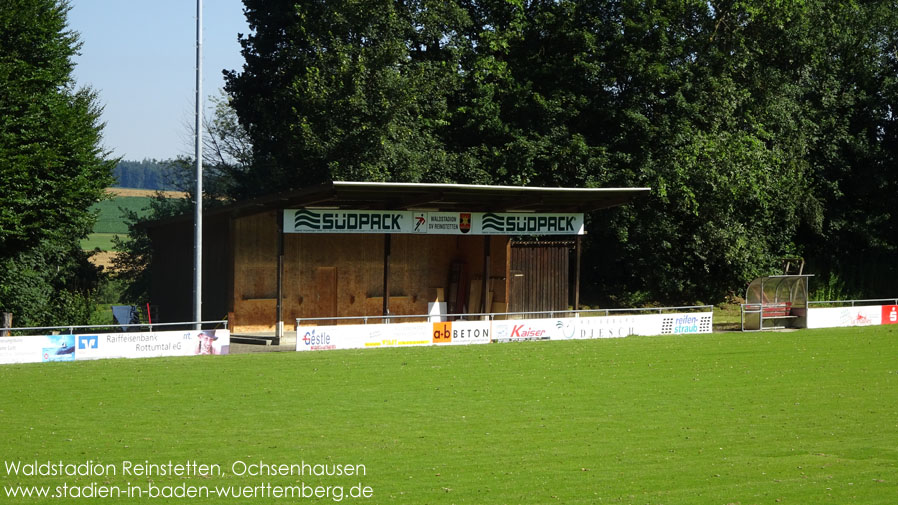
[{"x": 434, "y": 223}]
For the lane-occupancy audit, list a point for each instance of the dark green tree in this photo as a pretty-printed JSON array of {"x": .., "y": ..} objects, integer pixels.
[
  {"x": 851, "y": 104},
  {"x": 52, "y": 166},
  {"x": 348, "y": 89},
  {"x": 763, "y": 128}
]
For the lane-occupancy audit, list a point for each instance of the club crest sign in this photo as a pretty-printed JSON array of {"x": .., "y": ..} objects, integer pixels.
[{"x": 434, "y": 223}]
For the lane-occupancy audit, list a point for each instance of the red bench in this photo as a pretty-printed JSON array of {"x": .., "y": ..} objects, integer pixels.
[{"x": 783, "y": 309}]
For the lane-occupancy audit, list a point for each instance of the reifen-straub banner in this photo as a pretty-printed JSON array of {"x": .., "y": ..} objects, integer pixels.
[
  {"x": 434, "y": 223},
  {"x": 42, "y": 348}
]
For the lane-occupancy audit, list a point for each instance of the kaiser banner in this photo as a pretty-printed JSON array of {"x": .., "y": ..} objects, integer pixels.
[{"x": 434, "y": 223}]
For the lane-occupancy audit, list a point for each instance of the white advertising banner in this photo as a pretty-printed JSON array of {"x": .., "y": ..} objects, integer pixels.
[
  {"x": 360, "y": 336},
  {"x": 461, "y": 332},
  {"x": 868, "y": 315},
  {"x": 618, "y": 326},
  {"x": 152, "y": 344},
  {"x": 434, "y": 223},
  {"x": 40, "y": 348},
  {"x": 534, "y": 329},
  {"x": 363, "y": 336},
  {"x": 37, "y": 349}
]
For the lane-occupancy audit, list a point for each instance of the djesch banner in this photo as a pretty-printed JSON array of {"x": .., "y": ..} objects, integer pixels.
[
  {"x": 39, "y": 348},
  {"x": 867, "y": 315},
  {"x": 434, "y": 223},
  {"x": 363, "y": 336}
]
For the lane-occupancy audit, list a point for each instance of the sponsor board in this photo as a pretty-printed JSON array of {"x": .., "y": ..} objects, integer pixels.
[
  {"x": 316, "y": 339},
  {"x": 152, "y": 344},
  {"x": 645, "y": 325},
  {"x": 682, "y": 324},
  {"x": 364, "y": 336},
  {"x": 367, "y": 336},
  {"x": 37, "y": 349},
  {"x": 608, "y": 327},
  {"x": 461, "y": 332},
  {"x": 434, "y": 223},
  {"x": 349, "y": 221},
  {"x": 324, "y": 338},
  {"x": 890, "y": 314},
  {"x": 525, "y": 329},
  {"x": 42, "y": 348},
  {"x": 834, "y": 317},
  {"x": 58, "y": 348},
  {"x": 398, "y": 335}
]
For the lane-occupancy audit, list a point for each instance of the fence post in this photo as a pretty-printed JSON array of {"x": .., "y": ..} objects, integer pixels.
[{"x": 6, "y": 322}]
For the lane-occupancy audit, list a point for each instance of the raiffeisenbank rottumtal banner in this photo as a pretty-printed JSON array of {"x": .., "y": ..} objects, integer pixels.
[
  {"x": 434, "y": 223},
  {"x": 42, "y": 348},
  {"x": 367, "y": 336}
]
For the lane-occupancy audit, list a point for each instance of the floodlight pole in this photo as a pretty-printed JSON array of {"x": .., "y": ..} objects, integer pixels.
[{"x": 198, "y": 217}]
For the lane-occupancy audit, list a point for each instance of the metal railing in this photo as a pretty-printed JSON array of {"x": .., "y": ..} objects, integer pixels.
[
  {"x": 115, "y": 327},
  {"x": 854, "y": 303},
  {"x": 490, "y": 316}
]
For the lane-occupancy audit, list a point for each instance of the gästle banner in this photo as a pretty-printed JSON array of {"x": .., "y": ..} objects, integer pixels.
[{"x": 434, "y": 223}]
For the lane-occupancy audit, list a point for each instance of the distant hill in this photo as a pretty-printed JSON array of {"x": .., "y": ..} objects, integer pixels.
[{"x": 146, "y": 174}]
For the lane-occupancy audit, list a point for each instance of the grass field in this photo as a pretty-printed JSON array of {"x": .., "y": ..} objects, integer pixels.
[
  {"x": 103, "y": 241},
  {"x": 781, "y": 418},
  {"x": 110, "y": 218},
  {"x": 111, "y": 222}
]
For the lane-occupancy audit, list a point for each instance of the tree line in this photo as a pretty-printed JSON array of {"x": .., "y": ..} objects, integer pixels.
[
  {"x": 765, "y": 129},
  {"x": 147, "y": 174}
]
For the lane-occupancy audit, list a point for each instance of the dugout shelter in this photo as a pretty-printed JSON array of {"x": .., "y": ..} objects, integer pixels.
[
  {"x": 369, "y": 249},
  {"x": 776, "y": 302}
]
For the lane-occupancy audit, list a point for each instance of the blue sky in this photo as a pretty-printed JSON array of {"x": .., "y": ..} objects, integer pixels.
[{"x": 140, "y": 56}]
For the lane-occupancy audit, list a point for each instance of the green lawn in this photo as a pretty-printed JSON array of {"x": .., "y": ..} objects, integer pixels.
[
  {"x": 780, "y": 418},
  {"x": 103, "y": 241},
  {"x": 728, "y": 316},
  {"x": 110, "y": 218},
  {"x": 111, "y": 221}
]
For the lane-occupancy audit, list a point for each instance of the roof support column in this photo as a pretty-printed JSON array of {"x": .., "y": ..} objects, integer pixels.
[
  {"x": 387, "y": 247},
  {"x": 486, "y": 273},
  {"x": 578, "y": 247},
  {"x": 279, "y": 317}
]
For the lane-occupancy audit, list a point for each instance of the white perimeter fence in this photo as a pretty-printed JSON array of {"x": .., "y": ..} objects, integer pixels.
[
  {"x": 833, "y": 314},
  {"x": 62, "y": 343},
  {"x": 318, "y": 334}
]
